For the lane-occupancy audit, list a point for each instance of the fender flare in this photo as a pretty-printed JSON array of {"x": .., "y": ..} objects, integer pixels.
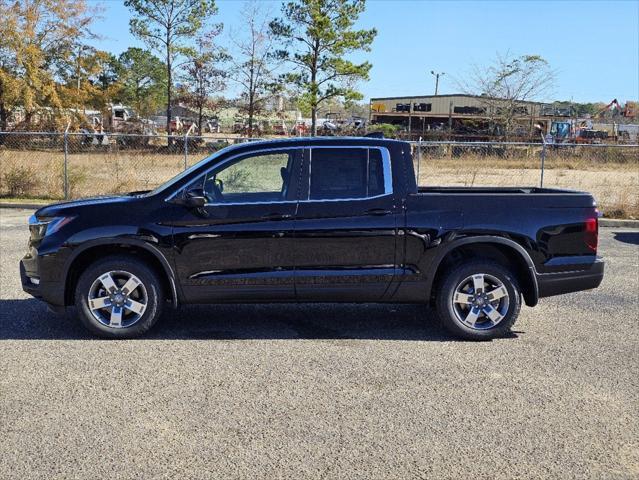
[
  {"x": 531, "y": 300},
  {"x": 134, "y": 242}
]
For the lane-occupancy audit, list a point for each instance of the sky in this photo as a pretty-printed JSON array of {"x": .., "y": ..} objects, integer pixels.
[{"x": 592, "y": 45}]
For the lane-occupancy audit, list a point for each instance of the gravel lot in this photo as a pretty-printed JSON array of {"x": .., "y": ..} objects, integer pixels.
[{"x": 323, "y": 391}]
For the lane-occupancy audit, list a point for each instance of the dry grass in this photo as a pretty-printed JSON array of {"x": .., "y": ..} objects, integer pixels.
[
  {"x": 615, "y": 184},
  {"x": 93, "y": 173}
]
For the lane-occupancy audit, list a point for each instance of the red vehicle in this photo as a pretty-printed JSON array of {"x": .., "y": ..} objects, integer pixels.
[
  {"x": 300, "y": 129},
  {"x": 181, "y": 124}
]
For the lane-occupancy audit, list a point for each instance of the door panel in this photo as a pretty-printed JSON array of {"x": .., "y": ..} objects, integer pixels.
[
  {"x": 237, "y": 253},
  {"x": 345, "y": 248},
  {"x": 237, "y": 248}
]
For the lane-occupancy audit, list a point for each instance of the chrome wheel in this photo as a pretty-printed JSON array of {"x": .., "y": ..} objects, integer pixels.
[
  {"x": 480, "y": 301},
  {"x": 117, "y": 299}
]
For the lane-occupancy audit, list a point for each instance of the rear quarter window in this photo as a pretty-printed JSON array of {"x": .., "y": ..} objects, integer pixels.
[{"x": 346, "y": 173}]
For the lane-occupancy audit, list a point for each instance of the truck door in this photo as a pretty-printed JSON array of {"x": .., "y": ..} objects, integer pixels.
[
  {"x": 346, "y": 225},
  {"x": 240, "y": 246}
]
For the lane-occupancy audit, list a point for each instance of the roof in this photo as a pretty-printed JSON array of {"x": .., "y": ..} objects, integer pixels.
[
  {"x": 448, "y": 95},
  {"x": 305, "y": 140}
]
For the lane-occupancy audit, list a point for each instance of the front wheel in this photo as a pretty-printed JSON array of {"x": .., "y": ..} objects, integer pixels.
[
  {"x": 118, "y": 297},
  {"x": 479, "y": 300}
]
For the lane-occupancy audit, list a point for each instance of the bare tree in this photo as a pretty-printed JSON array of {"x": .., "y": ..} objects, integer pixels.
[
  {"x": 254, "y": 65},
  {"x": 505, "y": 86},
  {"x": 204, "y": 74}
]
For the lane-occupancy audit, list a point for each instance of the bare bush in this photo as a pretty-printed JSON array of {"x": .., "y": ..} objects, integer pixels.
[{"x": 19, "y": 181}]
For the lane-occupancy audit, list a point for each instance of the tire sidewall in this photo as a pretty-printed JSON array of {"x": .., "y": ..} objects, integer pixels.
[
  {"x": 445, "y": 304},
  {"x": 133, "y": 266}
]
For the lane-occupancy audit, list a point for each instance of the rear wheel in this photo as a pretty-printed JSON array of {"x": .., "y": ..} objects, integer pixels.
[
  {"x": 479, "y": 300},
  {"x": 118, "y": 297}
]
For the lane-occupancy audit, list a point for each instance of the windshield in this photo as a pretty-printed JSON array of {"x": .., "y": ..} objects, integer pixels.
[{"x": 186, "y": 172}]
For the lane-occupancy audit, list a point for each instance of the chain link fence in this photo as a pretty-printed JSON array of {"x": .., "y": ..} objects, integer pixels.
[
  {"x": 65, "y": 166},
  {"x": 57, "y": 166},
  {"x": 609, "y": 172}
]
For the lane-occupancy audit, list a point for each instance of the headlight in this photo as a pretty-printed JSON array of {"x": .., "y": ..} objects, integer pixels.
[{"x": 40, "y": 227}]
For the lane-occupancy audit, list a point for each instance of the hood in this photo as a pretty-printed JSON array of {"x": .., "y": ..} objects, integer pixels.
[{"x": 70, "y": 206}]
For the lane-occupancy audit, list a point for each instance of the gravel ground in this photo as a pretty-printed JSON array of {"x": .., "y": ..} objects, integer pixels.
[{"x": 323, "y": 391}]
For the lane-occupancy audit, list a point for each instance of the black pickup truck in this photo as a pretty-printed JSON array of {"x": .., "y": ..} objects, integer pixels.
[{"x": 312, "y": 220}]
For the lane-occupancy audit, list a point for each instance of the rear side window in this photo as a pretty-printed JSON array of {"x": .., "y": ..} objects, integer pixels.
[{"x": 338, "y": 173}]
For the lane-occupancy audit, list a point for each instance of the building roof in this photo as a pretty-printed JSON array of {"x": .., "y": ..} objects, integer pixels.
[{"x": 448, "y": 95}]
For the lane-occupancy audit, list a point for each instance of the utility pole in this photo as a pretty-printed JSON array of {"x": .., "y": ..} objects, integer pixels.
[{"x": 436, "y": 75}]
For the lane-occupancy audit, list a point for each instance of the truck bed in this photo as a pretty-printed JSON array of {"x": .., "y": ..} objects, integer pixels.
[
  {"x": 495, "y": 190},
  {"x": 493, "y": 198}
]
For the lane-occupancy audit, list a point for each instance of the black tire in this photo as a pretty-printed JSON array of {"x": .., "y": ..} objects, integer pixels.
[
  {"x": 449, "y": 313},
  {"x": 120, "y": 263}
]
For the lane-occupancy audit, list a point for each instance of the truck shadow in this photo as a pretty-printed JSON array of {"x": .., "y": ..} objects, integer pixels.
[
  {"x": 627, "y": 237},
  {"x": 29, "y": 319}
]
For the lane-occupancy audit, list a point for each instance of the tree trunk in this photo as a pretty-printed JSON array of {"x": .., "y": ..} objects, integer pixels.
[
  {"x": 251, "y": 105},
  {"x": 251, "y": 114},
  {"x": 168, "y": 103},
  {"x": 4, "y": 118},
  {"x": 314, "y": 88},
  {"x": 199, "y": 119},
  {"x": 4, "y": 122},
  {"x": 138, "y": 98},
  {"x": 313, "y": 121},
  {"x": 168, "y": 87}
]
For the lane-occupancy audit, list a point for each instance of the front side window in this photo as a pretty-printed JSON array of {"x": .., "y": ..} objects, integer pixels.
[
  {"x": 259, "y": 178},
  {"x": 343, "y": 173}
]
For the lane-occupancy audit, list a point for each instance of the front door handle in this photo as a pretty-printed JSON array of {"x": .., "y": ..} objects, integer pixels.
[
  {"x": 378, "y": 211},
  {"x": 276, "y": 216}
]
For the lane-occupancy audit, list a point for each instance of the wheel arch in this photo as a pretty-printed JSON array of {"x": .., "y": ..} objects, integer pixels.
[
  {"x": 502, "y": 250},
  {"x": 97, "y": 249}
]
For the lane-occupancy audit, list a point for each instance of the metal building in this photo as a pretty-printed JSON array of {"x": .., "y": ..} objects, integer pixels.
[{"x": 460, "y": 116}]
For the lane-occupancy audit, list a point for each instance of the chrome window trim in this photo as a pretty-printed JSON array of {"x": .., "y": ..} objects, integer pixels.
[{"x": 386, "y": 167}]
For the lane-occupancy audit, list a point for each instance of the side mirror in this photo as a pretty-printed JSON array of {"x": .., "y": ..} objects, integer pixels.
[
  {"x": 193, "y": 198},
  {"x": 195, "y": 201}
]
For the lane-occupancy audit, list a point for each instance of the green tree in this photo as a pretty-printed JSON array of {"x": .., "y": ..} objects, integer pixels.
[
  {"x": 9, "y": 81},
  {"x": 87, "y": 77},
  {"x": 108, "y": 73},
  {"x": 318, "y": 35},
  {"x": 167, "y": 26},
  {"x": 143, "y": 80}
]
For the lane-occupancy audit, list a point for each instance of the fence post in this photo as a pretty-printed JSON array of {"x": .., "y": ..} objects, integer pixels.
[
  {"x": 419, "y": 157},
  {"x": 543, "y": 160},
  {"x": 66, "y": 162},
  {"x": 186, "y": 144}
]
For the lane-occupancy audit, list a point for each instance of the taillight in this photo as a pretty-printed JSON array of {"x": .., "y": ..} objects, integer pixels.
[{"x": 591, "y": 232}]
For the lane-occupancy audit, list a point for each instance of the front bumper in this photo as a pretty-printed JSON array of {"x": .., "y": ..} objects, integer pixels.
[
  {"x": 51, "y": 292},
  {"x": 30, "y": 282},
  {"x": 573, "y": 281}
]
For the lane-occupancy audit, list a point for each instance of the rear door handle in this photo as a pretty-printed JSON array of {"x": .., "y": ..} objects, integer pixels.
[
  {"x": 378, "y": 211},
  {"x": 276, "y": 216}
]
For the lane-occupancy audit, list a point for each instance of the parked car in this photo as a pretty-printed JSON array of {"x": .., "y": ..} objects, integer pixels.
[{"x": 312, "y": 220}]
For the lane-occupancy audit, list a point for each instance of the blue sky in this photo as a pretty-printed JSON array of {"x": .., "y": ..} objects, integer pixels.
[{"x": 593, "y": 45}]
